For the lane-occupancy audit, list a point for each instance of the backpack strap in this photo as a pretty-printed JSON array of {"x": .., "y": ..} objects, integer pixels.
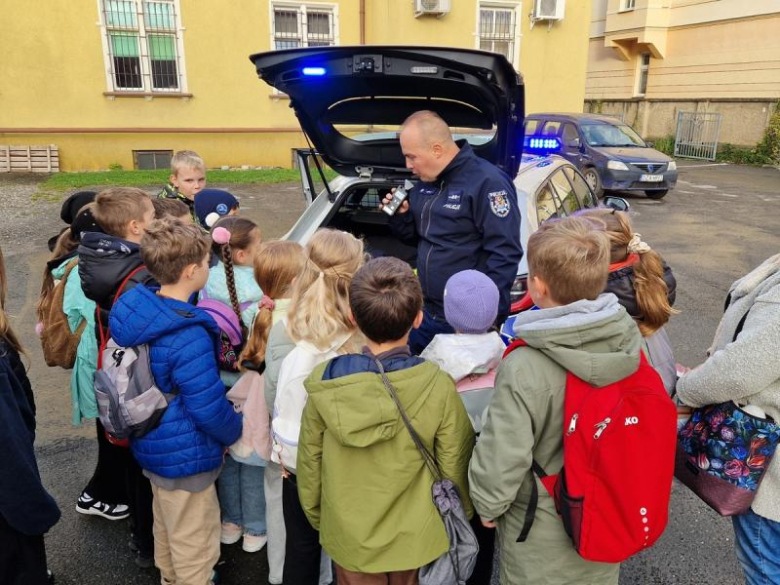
[
  {"x": 530, "y": 512},
  {"x": 513, "y": 346},
  {"x": 104, "y": 333}
]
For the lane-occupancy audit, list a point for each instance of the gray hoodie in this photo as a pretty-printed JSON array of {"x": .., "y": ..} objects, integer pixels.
[
  {"x": 600, "y": 343},
  {"x": 746, "y": 370}
]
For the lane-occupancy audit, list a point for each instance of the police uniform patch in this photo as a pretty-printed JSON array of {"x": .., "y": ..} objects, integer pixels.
[{"x": 499, "y": 203}]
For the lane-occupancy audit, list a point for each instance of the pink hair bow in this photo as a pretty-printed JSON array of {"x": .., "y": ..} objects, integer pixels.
[{"x": 267, "y": 303}]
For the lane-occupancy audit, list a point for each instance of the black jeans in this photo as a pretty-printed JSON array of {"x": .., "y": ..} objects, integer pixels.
[
  {"x": 139, "y": 492},
  {"x": 22, "y": 557},
  {"x": 302, "y": 549},
  {"x": 486, "y": 538},
  {"x": 108, "y": 483}
]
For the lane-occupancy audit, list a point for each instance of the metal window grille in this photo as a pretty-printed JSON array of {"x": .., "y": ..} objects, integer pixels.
[
  {"x": 303, "y": 26},
  {"x": 143, "y": 45},
  {"x": 152, "y": 159},
  {"x": 497, "y": 31},
  {"x": 697, "y": 135}
]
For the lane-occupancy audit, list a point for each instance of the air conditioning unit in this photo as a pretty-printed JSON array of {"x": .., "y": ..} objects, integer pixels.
[
  {"x": 435, "y": 7},
  {"x": 548, "y": 9}
]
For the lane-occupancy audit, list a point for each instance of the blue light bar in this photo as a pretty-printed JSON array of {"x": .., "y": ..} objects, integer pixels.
[
  {"x": 314, "y": 71},
  {"x": 542, "y": 144}
]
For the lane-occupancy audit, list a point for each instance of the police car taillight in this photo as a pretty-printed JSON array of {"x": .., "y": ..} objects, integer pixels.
[{"x": 519, "y": 288}]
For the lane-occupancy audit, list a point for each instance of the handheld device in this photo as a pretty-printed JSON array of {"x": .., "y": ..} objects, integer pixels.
[{"x": 399, "y": 196}]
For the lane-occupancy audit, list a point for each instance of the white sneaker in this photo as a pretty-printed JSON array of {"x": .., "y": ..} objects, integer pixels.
[
  {"x": 254, "y": 543},
  {"x": 230, "y": 533}
]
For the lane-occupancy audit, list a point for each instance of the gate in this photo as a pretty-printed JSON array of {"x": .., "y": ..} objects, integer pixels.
[{"x": 697, "y": 135}]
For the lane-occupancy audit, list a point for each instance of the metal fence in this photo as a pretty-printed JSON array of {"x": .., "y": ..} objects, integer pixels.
[{"x": 697, "y": 135}]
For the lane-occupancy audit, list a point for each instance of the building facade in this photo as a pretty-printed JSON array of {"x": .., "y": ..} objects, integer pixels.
[
  {"x": 649, "y": 59},
  {"x": 126, "y": 82}
]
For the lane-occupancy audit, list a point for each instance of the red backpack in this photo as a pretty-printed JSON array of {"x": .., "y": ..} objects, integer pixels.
[{"x": 618, "y": 463}]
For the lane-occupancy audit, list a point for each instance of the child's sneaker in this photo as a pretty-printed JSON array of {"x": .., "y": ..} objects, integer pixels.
[
  {"x": 254, "y": 543},
  {"x": 90, "y": 506},
  {"x": 231, "y": 533}
]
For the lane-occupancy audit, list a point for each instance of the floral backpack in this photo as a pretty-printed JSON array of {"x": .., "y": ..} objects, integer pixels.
[{"x": 723, "y": 453}]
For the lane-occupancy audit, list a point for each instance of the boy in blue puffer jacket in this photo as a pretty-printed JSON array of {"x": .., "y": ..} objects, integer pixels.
[{"x": 182, "y": 456}]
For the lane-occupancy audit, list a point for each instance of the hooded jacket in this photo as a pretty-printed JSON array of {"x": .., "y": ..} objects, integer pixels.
[
  {"x": 746, "y": 369},
  {"x": 199, "y": 422},
  {"x": 24, "y": 503},
  {"x": 468, "y": 218},
  {"x": 105, "y": 261},
  {"x": 361, "y": 480},
  {"x": 598, "y": 342}
]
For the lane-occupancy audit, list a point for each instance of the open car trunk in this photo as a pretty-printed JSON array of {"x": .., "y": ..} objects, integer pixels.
[{"x": 331, "y": 88}]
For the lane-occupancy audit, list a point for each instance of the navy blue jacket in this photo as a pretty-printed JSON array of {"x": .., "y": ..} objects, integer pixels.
[
  {"x": 200, "y": 422},
  {"x": 24, "y": 503},
  {"x": 467, "y": 219},
  {"x": 394, "y": 360}
]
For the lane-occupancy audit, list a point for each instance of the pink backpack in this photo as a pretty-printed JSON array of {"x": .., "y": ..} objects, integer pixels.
[{"x": 232, "y": 331}]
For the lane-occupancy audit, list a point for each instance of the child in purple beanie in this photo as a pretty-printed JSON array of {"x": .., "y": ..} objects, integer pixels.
[{"x": 471, "y": 356}]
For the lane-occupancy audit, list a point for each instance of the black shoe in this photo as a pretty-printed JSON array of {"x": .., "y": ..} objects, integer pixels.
[
  {"x": 90, "y": 506},
  {"x": 143, "y": 561}
]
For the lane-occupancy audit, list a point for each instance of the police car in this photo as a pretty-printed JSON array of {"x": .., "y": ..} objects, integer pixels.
[{"x": 338, "y": 91}]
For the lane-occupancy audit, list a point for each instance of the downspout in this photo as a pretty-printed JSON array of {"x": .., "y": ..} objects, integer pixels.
[{"x": 362, "y": 22}]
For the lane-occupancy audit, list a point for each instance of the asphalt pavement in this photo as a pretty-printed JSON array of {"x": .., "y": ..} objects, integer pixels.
[{"x": 721, "y": 221}]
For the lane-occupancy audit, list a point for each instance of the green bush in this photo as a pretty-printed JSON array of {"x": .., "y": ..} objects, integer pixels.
[
  {"x": 665, "y": 144},
  {"x": 770, "y": 145},
  {"x": 742, "y": 155},
  {"x": 115, "y": 167}
]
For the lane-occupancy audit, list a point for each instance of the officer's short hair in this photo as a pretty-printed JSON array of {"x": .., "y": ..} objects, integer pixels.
[
  {"x": 385, "y": 297},
  {"x": 431, "y": 126},
  {"x": 571, "y": 257}
]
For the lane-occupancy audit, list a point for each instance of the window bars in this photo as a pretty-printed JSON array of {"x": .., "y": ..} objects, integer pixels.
[
  {"x": 143, "y": 45},
  {"x": 303, "y": 26},
  {"x": 497, "y": 31}
]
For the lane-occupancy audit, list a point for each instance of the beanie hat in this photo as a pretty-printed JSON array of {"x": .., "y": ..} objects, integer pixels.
[
  {"x": 72, "y": 205},
  {"x": 470, "y": 302},
  {"x": 213, "y": 204},
  {"x": 84, "y": 222}
]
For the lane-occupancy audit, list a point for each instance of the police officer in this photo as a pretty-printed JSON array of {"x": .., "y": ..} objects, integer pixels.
[{"x": 462, "y": 214}]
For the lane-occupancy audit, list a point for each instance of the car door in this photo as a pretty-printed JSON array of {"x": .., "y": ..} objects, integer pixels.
[
  {"x": 571, "y": 144},
  {"x": 567, "y": 197},
  {"x": 581, "y": 188},
  {"x": 548, "y": 204}
]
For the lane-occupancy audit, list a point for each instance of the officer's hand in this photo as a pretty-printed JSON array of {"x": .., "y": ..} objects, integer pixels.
[{"x": 389, "y": 197}]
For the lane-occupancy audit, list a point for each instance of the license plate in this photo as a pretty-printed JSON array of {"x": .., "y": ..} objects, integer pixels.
[{"x": 651, "y": 178}]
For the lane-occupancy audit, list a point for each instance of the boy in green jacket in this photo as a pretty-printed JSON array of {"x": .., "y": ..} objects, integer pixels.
[
  {"x": 361, "y": 480},
  {"x": 577, "y": 330}
]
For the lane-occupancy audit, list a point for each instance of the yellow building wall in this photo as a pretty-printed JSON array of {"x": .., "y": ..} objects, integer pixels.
[{"x": 53, "y": 81}]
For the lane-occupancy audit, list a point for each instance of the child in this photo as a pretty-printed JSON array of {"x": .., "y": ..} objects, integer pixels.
[
  {"x": 577, "y": 329},
  {"x": 361, "y": 479},
  {"x": 183, "y": 455},
  {"x": 277, "y": 264},
  {"x": 109, "y": 265},
  {"x": 643, "y": 284},
  {"x": 188, "y": 178},
  {"x": 319, "y": 324},
  {"x": 213, "y": 204},
  {"x": 472, "y": 354},
  {"x": 231, "y": 281},
  {"x": 27, "y": 511},
  {"x": 165, "y": 208}
]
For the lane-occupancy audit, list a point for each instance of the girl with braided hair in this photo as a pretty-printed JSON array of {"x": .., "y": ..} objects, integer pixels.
[{"x": 231, "y": 283}]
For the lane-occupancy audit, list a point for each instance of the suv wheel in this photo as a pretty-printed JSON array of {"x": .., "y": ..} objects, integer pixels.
[
  {"x": 594, "y": 181},
  {"x": 657, "y": 194}
]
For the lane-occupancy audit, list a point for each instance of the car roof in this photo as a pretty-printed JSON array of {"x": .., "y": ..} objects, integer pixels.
[{"x": 572, "y": 117}]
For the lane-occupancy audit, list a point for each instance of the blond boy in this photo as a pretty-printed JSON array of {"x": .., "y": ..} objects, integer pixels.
[
  {"x": 577, "y": 329},
  {"x": 187, "y": 179}
]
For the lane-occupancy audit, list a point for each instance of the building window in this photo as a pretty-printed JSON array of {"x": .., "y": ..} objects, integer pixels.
[
  {"x": 303, "y": 25},
  {"x": 497, "y": 29},
  {"x": 644, "y": 68},
  {"x": 147, "y": 160},
  {"x": 142, "y": 45},
  {"x": 629, "y": 4}
]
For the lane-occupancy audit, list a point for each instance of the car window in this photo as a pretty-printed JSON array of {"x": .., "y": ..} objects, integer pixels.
[
  {"x": 530, "y": 127},
  {"x": 565, "y": 191},
  {"x": 547, "y": 204},
  {"x": 569, "y": 134},
  {"x": 584, "y": 194},
  {"x": 611, "y": 135},
  {"x": 551, "y": 129}
]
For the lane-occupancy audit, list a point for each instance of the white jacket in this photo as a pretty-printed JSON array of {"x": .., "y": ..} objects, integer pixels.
[
  {"x": 291, "y": 397},
  {"x": 463, "y": 354}
]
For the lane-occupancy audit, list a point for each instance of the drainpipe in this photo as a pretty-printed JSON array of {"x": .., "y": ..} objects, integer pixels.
[{"x": 362, "y": 22}]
